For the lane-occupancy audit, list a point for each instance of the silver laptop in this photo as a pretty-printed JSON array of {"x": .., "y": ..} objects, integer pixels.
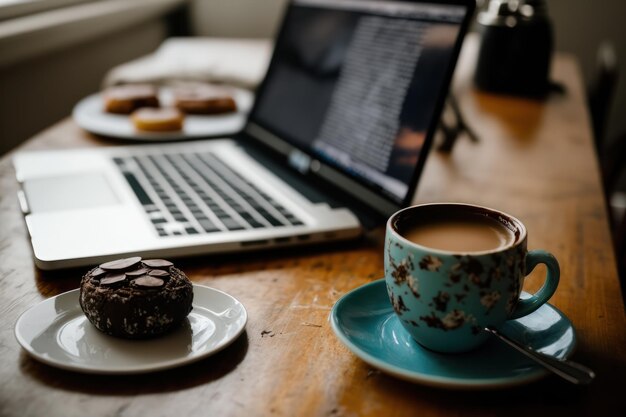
[{"x": 334, "y": 144}]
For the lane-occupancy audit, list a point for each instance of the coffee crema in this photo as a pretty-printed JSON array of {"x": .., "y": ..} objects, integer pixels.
[{"x": 463, "y": 235}]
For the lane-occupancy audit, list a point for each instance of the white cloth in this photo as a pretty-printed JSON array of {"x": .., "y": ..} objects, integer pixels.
[{"x": 238, "y": 62}]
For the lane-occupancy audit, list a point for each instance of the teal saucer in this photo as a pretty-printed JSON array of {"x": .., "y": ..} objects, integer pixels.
[{"x": 364, "y": 321}]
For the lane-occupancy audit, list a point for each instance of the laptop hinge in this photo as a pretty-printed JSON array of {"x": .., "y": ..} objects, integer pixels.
[{"x": 313, "y": 188}]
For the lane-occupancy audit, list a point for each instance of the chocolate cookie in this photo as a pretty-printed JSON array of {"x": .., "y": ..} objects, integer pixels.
[
  {"x": 124, "y": 99},
  {"x": 204, "y": 99},
  {"x": 164, "y": 119},
  {"x": 136, "y": 299}
]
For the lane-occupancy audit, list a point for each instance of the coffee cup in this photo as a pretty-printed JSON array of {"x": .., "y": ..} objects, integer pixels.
[{"x": 453, "y": 269}]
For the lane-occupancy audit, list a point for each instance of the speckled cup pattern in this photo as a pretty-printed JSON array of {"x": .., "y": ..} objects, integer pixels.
[{"x": 444, "y": 299}]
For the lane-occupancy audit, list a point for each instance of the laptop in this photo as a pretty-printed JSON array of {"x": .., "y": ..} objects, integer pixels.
[{"x": 334, "y": 144}]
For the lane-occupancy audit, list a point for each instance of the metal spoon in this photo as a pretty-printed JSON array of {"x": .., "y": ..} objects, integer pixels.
[{"x": 571, "y": 371}]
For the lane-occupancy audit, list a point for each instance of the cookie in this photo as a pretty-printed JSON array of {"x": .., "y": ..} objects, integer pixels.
[
  {"x": 136, "y": 299},
  {"x": 165, "y": 119},
  {"x": 124, "y": 99},
  {"x": 204, "y": 99}
]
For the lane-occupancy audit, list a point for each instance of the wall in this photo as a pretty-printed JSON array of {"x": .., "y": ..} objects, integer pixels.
[
  {"x": 237, "y": 18},
  {"x": 41, "y": 91},
  {"x": 52, "y": 58}
]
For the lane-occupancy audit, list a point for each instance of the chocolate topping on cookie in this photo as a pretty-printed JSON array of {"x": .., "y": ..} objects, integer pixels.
[
  {"x": 98, "y": 272},
  {"x": 147, "y": 281},
  {"x": 113, "y": 279},
  {"x": 158, "y": 263},
  {"x": 138, "y": 272},
  {"x": 121, "y": 264},
  {"x": 158, "y": 273}
]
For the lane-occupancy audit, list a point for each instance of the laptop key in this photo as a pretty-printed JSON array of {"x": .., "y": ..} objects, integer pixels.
[
  {"x": 208, "y": 226},
  {"x": 141, "y": 194},
  {"x": 231, "y": 224}
]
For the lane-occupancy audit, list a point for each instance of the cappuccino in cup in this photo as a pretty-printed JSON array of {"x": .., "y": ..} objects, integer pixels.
[
  {"x": 453, "y": 269},
  {"x": 459, "y": 234}
]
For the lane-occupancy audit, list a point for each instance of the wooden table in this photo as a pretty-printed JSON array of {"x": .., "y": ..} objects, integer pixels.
[{"x": 535, "y": 160}]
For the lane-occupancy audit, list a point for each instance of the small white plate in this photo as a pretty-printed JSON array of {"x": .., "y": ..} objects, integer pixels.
[
  {"x": 89, "y": 114},
  {"x": 57, "y": 333}
]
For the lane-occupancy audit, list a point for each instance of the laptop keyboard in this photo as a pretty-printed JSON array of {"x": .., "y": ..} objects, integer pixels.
[{"x": 194, "y": 193}]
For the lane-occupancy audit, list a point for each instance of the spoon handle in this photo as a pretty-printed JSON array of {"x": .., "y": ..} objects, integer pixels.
[{"x": 568, "y": 370}]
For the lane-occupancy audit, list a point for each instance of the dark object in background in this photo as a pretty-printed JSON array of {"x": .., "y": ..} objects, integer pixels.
[
  {"x": 601, "y": 91},
  {"x": 516, "y": 48},
  {"x": 452, "y": 129}
]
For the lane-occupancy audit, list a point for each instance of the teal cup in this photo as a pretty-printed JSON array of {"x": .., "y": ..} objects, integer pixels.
[{"x": 445, "y": 293}]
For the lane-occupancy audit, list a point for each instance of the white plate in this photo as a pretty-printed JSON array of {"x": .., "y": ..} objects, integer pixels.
[
  {"x": 57, "y": 333},
  {"x": 89, "y": 114}
]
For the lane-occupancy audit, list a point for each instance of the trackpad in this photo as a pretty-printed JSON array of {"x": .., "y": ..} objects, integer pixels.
[{"x": 77, "y": 191}]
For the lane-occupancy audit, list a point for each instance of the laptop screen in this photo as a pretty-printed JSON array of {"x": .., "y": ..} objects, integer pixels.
[{"x": 355, "y": 85}]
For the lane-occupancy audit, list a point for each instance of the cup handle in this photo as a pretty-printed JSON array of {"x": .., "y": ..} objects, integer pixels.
[{"x": 533, "y": 258}]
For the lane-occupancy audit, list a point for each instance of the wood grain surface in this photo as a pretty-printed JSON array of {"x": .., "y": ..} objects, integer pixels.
[{"x": 535, "y": 160}]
